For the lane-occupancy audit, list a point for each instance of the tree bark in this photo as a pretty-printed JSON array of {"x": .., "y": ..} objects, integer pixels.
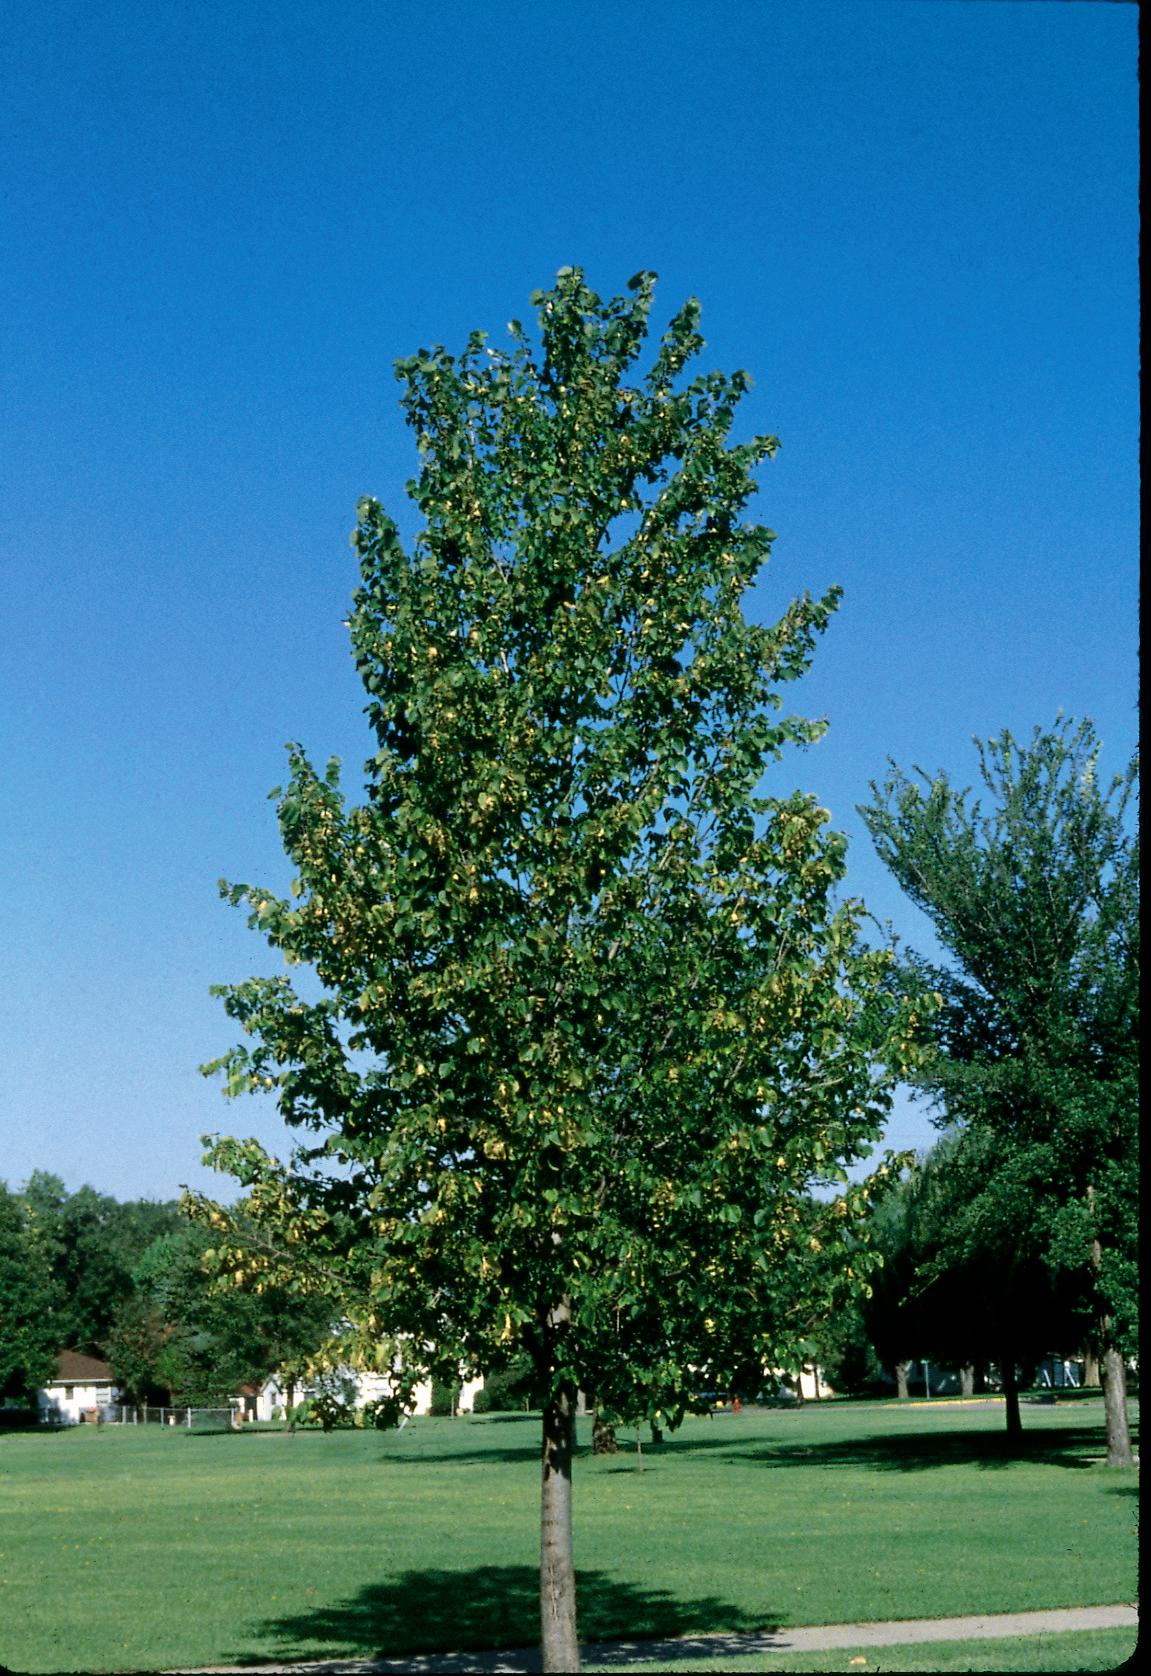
[
  {"x": 967, "y": 1380},
  {"x": 1091, "y": 1370},
  {"x": 603, "y": 1438},
  {"x": 558, "y": 1642},
  {"x": 1114, "y": 1374},
  {"x": 901, "y": 1380},
  {"x": 1011, "y": 1396},
  {"x": 1119, "y": 1451}
]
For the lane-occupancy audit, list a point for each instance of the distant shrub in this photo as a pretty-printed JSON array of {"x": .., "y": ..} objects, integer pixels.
[
  {"x": 482, "y": 1401},
  {"x": 332, "y": 1404},
  {"x": 847, "y": 1356},
  {"x": 382, "y": 1414},
  {"x": 445, "y": 1398},
  {"x": 509, "y": 1389}
]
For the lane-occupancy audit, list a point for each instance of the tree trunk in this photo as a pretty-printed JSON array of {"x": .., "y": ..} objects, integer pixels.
[
  {"x": 603, "y": 1439},
  {"x": 1091, "y": 1370},
  {"x": 967, "y": 1380},
  {"x": 558, "y": 1643},
  {"x": 656, "y": 1434},
  {"x": 1114, "y": 1375},
  {"x": 1119, "y": 1451},
  {"x": 1011, "y": 1397},
  {"x": 901, "y": 1380}
]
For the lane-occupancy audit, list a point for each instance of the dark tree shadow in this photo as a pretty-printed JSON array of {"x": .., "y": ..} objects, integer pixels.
[
  {"x": 487, "y": 1607},
  {"x": 914, "y": 1451},
  {"x": 500, "y": 1455},
  {"x": 911, "y": 1450}
]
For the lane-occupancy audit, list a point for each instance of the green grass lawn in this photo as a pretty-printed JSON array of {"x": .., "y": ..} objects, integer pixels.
[
  {"x": 1100, "y": 1649},
  {"x": 137, "y": 1548}
]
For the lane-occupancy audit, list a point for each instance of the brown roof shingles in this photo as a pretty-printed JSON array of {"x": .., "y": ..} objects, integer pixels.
[{"x": 76, "y": 1369}]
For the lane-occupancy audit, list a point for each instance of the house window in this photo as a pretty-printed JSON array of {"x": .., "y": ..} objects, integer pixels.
[{"x": 69, "y": 1392}]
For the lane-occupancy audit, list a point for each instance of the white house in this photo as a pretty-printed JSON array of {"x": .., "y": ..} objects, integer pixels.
[
  {"x": 81, "y": 1387},
  {"x": 368, "y": 1386}
]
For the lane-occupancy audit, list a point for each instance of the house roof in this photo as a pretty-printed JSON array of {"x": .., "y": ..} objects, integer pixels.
[{"x": 76, "y": 1369}]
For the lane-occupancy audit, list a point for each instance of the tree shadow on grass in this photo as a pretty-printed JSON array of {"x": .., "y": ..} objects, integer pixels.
[
  {"x": 497, "y": 1455},
  {"x": 914, "y": 1451},
  {"x": 910, "y": 1450},
  {"x": 906, "y": 1451},
  {"x": 427, "y": 1611}
]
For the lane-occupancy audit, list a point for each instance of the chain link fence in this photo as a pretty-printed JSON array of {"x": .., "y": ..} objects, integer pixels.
[{"x": 219, "y": 1419}]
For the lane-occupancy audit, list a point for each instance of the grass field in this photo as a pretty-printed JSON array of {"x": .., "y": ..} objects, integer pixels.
[
  {"x": 138, "y": 1549},
  {"x": 1105, "y": 1649}
]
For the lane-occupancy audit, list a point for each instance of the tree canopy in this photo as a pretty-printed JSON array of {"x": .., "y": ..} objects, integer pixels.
[
  {"x": 1034, "y": 1050},
  {"x": 592, "y": 1020},
  {"x": 184, "y": 1339},
  {"x": 128, "y": 1281},
  {"x": 962, "y": 1283},
  {"x": 28, "y": 1342},
  {"x": 91, "y": 1243}
]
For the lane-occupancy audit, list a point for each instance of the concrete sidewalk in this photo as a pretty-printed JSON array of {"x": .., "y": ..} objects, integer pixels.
[{"x": 688, "y": 1648}]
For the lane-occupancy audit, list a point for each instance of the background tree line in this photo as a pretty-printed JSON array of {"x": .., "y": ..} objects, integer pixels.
[
  {"x": 127, "y": 1281},
  {"x": 966, "y": 1314}
]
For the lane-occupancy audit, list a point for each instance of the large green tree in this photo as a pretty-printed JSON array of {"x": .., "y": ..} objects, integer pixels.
[
  {"x": 183, "y": 1338},
  {"x": 92, "y": 1243},
  {"x": 962, "y": 1283},
  {"x": 28, "y": 1343},
  {"x": 1033, "y": 893},
  {"x": 591, "y": 1020}
]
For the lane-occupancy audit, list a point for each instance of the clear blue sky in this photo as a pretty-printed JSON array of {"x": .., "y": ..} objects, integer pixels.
[{"x": 914, "y": 222}]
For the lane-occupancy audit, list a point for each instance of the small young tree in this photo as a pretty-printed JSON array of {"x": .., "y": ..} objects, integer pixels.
[
  {"x": 591, "y": 1021},
  {"x": 1035, "y": 1050}
]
